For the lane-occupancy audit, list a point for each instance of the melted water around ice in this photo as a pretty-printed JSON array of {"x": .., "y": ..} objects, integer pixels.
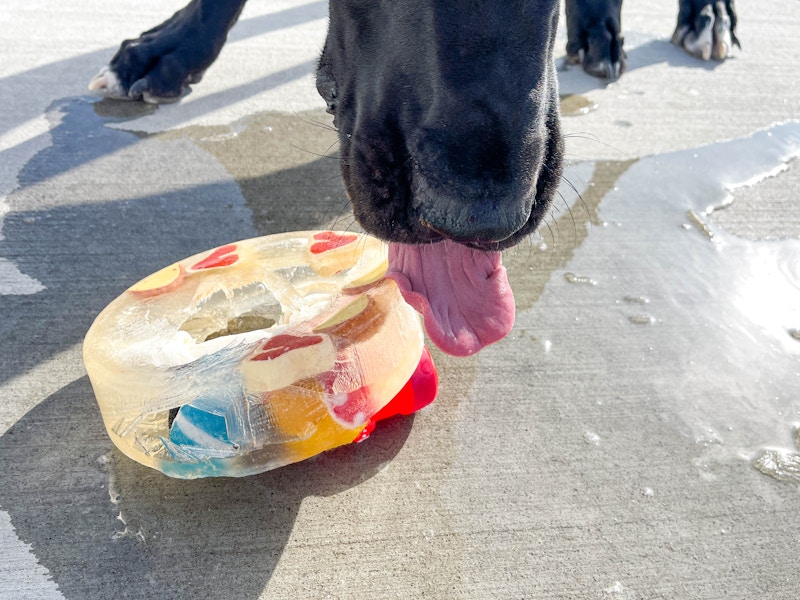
[{"x": 721, "y": 312}]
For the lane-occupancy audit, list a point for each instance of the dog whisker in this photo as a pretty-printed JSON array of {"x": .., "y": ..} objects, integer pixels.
[
  {"x": 550, "y": 229},
  {"x": 325, "y": 154},
  {"x": 583, "y": 135},
  {"x": 571, "y": 216},
  {"x": 342, "y": 223},
  {"x": 569, "y": 207},
  {"x": 314, "y": 122}
]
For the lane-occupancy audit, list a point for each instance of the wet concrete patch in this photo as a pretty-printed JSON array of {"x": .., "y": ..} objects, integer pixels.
[
  {"x": 767, "y": 211},
  {"x": 572, "y": 218},
  {"x": 722, "y": 308},
  {"x": 575, "y": 105},
  {"x": 286, "y": 166}
]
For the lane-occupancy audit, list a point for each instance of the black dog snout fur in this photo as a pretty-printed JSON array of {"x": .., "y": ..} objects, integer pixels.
[{"x": 447, "y": 114}]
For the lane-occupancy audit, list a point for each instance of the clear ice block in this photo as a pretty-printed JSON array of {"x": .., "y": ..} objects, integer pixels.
[{"x": 257, "y": 354}]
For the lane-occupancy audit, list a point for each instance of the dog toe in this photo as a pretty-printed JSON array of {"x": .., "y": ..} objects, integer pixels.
[{"x": 710, "y": 34}]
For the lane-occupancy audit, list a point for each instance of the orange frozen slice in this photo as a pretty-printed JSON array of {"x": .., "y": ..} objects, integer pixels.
[{"x": 299, "y": 411}]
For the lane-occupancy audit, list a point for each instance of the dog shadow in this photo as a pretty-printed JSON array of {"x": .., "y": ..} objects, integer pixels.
[
  {"x": 664, "y": 51},
  {"x": 106, "y": 527},
  {"x": 93, "y": 213}
]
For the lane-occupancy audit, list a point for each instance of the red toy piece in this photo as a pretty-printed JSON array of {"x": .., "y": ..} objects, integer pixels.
[{"x": 420, "y": 391}]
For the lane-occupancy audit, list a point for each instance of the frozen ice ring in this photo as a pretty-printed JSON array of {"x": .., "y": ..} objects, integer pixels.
[{"x": 257, "y": 354}]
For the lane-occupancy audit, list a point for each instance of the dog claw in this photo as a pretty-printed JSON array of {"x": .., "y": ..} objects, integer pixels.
[
  {"x": 679, "y": 34},
  {"x": 723, "y": 37},
  {"x": 720, "y": 51},
  {"x": 106, "y": 83},
  {"x": 139, "y": 88},
  {"x": 698, "y": 49},
  {"x": 613, "y": 70},
  {"x": 605, "y": 70}
]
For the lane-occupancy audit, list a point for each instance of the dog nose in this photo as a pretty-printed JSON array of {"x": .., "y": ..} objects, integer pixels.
[
  {"x": 461, "y": 219},
  {"x": 473, "y": 179}
]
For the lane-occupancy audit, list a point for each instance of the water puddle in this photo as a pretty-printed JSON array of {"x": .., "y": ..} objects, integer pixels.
[
  {"x": 575, "y": 105},
  {"x": 572, "y": 278},
  {"x": 700, "y": 322},
  {"x": 120, "y": 111},
  {"x": 106, "y": 465}
]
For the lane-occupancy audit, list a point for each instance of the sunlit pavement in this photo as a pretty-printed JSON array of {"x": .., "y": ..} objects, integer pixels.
[{"x": 634, "y": 437}]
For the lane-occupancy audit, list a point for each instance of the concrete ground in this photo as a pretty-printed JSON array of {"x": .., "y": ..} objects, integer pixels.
[{"x": 634, "y": 437}]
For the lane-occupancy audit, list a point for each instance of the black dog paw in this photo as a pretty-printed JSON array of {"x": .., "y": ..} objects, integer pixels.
[
  {"x": 161, "y": 63},
  {"x": 594, "y": 37},
  {"x": 706, "y": 29}
]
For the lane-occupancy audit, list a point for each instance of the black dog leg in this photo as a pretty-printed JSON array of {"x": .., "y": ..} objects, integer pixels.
[
  {"x": 594, "y": 37},
  {"x": 160, "y": 64}
]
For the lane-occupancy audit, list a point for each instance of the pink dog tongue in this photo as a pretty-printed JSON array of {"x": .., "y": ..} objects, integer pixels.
[{"x": 463, "y": 294}]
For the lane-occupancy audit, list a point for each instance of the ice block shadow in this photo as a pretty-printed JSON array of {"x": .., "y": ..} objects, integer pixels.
[{"x": 105, "y": 526}]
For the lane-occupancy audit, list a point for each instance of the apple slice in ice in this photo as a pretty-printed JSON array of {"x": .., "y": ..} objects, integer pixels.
[
  {"x": 224, "y": 256},
  {"x": 285, "y": 359},
  {"x": 356, "y": 321},
  {"x": 160, "y": 282},
  {"x": 330, "y": 252}
]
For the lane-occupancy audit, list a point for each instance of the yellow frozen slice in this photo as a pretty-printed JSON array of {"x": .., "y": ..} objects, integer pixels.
[{"x": 165, "y": 280}]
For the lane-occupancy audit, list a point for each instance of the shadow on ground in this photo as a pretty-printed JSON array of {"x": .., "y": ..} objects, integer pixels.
[
  {"x": 107, "y": 527},
  {"x": 573, "y": 80}
]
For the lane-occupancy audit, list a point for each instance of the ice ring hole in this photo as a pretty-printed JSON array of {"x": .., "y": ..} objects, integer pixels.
[
  {"x": 242, "y": 324},
  {"x": 230, "y": 312}
]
